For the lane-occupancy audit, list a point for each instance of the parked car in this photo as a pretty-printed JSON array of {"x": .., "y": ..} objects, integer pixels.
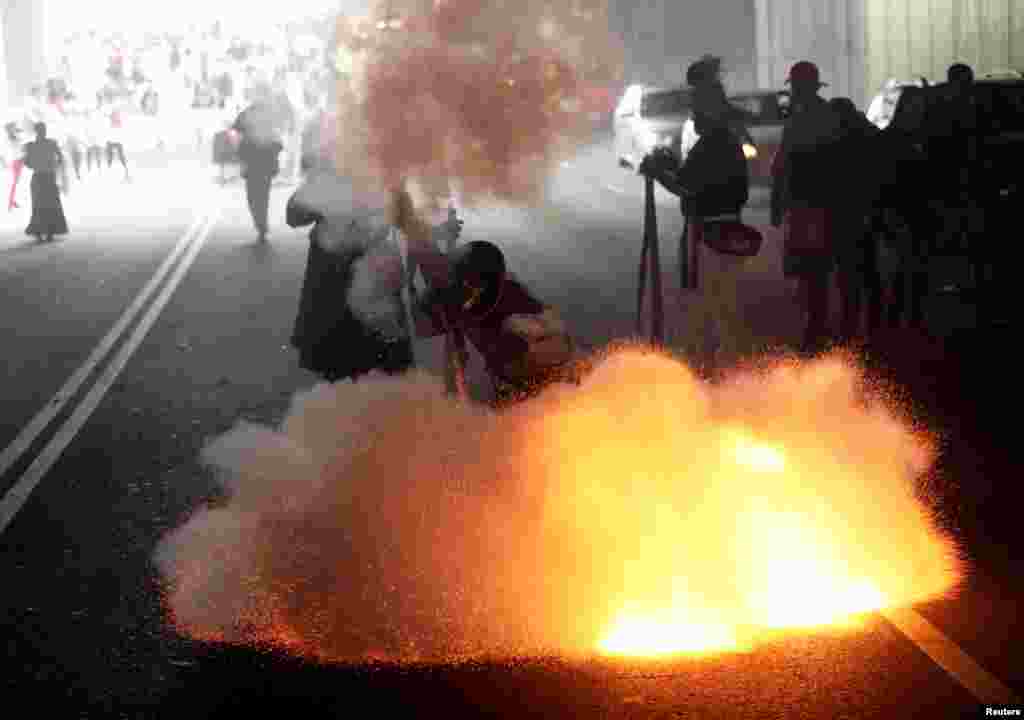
[
  {"x": 882, "y": 106},
  {"x": 647, "y": 117}
]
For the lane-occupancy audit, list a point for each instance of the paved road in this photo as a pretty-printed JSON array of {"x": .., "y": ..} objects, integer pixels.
[{"x": 81, "y": 622}]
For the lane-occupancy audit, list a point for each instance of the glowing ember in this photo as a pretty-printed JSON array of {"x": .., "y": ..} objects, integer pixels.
[{"x": 641, "y": 514}]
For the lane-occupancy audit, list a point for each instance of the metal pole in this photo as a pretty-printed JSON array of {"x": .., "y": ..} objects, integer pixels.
[
  {"x": 641, "y": 286},
  {"x": 653, "y": 257},
  {"x": 454, "y": 339},
  {"x": 684, "y": 254}
]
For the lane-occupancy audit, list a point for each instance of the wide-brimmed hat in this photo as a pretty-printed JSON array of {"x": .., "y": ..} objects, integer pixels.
[{"x": 805, "y": 73}]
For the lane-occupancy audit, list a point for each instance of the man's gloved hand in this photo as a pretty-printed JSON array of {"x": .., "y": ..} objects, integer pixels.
[{"x": 657, "y": 162}]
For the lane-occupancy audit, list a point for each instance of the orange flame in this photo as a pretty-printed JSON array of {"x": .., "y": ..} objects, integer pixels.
[{"x": 643, "y": 513}]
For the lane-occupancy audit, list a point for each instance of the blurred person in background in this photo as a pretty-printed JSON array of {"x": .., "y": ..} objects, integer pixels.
[
  {"x": 94, "y": 131},
  {"x": 13, "y": 137},
  {"x": 259, "y": 152},
  {"x": 44, "y": 158},
  {"x": 115, "y": 116},
  {"x": 74, "y": 135}
]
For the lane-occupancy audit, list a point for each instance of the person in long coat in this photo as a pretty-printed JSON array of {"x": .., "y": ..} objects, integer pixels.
[
  {"x": 44, "y": 157},
  {"x": 332, "y": 341}
]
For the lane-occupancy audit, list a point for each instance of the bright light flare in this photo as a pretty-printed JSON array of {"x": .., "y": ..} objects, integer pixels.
[
  {"x": 641, "y": 514},
  {"x": 749, "y": 151},
  {"x": 651, "y": 637}
]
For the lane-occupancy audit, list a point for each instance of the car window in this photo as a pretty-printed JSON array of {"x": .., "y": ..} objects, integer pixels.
[{"x": 666, "y": 102}]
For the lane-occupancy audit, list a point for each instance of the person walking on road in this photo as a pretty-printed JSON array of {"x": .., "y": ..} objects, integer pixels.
[
  {"x": 74, "y": 137},
  {"x": 803, "y": 194},
  {"x": 44, "y": 158},
  {"x": 115, "y": 138},
  {"x": 259, "y": 150},
  {"x": 13, "y": 159},
  {"x": 93, "y": 129}
]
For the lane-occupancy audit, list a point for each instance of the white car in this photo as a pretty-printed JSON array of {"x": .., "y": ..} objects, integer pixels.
[
  {"x": 881, "y": 108},
  {"x": 648, "y": 117}
]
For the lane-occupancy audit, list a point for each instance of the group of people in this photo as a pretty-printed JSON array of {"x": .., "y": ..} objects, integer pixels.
[
  {"x": 837, "y": 214},
  {"x": 840, "y": 215}
]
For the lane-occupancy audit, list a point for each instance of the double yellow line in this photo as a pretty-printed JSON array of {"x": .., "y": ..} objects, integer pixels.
[{"x": 176, "y": 264}]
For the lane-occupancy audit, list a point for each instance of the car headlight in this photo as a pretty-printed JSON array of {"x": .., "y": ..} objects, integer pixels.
[{"x": 749, "y": 151}]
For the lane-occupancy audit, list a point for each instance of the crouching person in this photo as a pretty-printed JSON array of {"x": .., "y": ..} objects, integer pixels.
[{"x": 523, "y": 341}]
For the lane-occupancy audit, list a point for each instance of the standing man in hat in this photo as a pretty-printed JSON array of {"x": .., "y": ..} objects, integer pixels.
[
  {"x": 713, "y": 185},
  {"x": 260, "y": 131},
  {"x": 803, "y": 196}
]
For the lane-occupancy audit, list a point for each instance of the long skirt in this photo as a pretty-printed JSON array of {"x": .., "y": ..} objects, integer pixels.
[{"x": 47, "y": 211}]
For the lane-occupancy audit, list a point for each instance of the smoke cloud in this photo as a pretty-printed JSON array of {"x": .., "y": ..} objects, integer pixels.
[
  {"x": 386, "y": 519},
  {"x": 482, "y": 95}
]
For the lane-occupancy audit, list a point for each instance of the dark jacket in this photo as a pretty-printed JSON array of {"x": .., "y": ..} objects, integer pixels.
[
  {"x": 260, "y": 146},
  {"x": 715, "y": 174},
  {"x": 714, "y": 178},
  {"x": 803, "y": 172},
  {"x": 856, "y": 153}
]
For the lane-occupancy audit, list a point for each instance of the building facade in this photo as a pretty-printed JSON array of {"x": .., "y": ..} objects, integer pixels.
[
  {"x": 24, "y": 48},
  {"x": 922, "y": 38},
  {"x": 662, "y": 38},
  {"x": 857, "y": 44}
]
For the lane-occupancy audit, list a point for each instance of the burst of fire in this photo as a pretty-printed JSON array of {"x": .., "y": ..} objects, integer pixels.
[{"x": 642, "y": 514}]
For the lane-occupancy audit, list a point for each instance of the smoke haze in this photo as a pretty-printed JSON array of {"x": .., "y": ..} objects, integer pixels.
[{"x": 482, "y": 95}]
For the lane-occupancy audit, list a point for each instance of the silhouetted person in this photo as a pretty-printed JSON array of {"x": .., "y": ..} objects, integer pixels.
[
  {"x": 44, "y": 158},
  {"x": 713, "y": 184},
  {"x": 115, "y": 139},
  {"x": 906, "y": 215},
  {"x": 803, "y": 193},
  {"x": 94, "y": 129},
  {"x": 258, "y": 152},
  {"x": 856, "y": 194},
  {"x": 952, "y": 146}
]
